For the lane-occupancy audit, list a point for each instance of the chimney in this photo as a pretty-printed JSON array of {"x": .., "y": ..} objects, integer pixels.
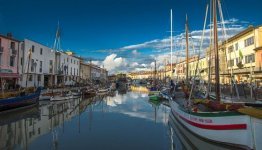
[{"x": 9, "y": 34}]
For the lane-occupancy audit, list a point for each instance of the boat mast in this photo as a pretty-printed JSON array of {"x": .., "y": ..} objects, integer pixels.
[
  {"x": 28, "y": 64},
  {"x": 171, "y": 41},
  {"x": 209, "y": 54},
  {"x": 187, "y": 47},
  {"x": 216, "y": 50},
  {"x": 155, "y": 75}
]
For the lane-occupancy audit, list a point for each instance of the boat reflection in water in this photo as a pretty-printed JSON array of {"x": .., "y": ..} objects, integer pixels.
[
  {"x": 19, "y": 128},
  {"x": 181, "y": 138}
]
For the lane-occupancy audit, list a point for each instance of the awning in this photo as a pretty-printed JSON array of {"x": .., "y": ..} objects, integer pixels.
[{"x": 9, "y": 75}]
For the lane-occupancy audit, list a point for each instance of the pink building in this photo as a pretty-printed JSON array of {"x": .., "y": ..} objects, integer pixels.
[{"x": 8, "y": 62}]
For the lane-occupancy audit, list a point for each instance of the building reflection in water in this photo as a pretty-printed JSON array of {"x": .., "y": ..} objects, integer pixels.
[{"x": 19, "y": 128}]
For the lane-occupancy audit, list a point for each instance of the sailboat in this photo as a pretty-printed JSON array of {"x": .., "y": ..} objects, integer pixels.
[
  {"x": 227, "y": 126},
  {"x": 154, "y": 91}
]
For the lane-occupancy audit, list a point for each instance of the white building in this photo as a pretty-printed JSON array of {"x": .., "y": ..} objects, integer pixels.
[
  {"x": 67, "y": 68},
  {"x": 39, "y": 69}
]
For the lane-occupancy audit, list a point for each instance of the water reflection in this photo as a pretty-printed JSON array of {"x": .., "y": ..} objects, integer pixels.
[
  {"x": 116, "y": 121},
  {"x": 16, "y": 128}
]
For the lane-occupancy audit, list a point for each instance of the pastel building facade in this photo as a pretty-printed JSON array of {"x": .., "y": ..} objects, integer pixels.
[
  {"x": 67, "y": 69},
  {"x": 85, "y": 71},
  {"x": 36, "y": 65},
  {"x": 9, "y": 53}
]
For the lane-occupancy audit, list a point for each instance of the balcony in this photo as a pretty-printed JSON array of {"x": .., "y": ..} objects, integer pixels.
[{"x": 1, "y": 49}]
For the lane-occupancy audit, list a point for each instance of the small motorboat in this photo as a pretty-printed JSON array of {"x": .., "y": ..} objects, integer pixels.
[
  {"x": 48, "y": 95},
  {"x": 102, "y": 91},
  {"x": 76, "y": 93},
  {"x": 61, "y": 97}
]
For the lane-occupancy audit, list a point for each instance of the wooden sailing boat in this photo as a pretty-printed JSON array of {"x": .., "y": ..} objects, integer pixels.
[
  {"x": 154, "y": 91},
  {"x": 222, "y": 126}
]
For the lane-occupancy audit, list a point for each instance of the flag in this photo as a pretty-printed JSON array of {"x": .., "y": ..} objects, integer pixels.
[{"x": 240, "y": 55}]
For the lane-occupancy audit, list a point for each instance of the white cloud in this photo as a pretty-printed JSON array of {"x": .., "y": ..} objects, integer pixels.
[
  {"x": 98, "y": 63},
  {"x": 135, "y": 52},
  {"x": 160, "y": 48},
  {"x": 134, "y": 64},
  {"x": 112, "y": 62}
]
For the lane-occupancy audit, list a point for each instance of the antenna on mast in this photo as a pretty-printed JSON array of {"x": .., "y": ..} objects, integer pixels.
[{"x": 57, "y": 44}]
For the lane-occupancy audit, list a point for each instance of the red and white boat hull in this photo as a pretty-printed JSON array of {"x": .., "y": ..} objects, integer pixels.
[{"x": 225, "y": 127}]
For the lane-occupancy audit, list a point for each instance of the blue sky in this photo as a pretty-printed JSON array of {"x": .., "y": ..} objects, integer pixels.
[{"x": 131, "y": 31}]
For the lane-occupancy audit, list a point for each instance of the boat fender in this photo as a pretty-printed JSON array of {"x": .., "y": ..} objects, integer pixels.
[
  {"x": 227, "y": 107},
  {"x": 194, "y": 109}
]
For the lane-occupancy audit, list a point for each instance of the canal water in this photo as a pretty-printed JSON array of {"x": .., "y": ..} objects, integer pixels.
[
  {"x": 123, "y": 120},
  {"x": 126, "y": 120}
]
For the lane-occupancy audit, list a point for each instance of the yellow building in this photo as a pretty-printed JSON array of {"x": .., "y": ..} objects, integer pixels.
[
  {"x": 240, "y": 55},
  {"x": 243, "y": 53},
  {"x": 85, "y": 71},
  {"x": 168, "y": 70}
]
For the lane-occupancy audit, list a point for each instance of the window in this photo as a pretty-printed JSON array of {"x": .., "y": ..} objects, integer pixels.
[
  {"x": 32, "y": 65},
  {"x": 74, "y": 71},
  {"x": 67, "y": 59},
  {"x": 12, "y": 61},
  {"x": 236, "y": 46},
  {"x": 230, "y": 63},
  {"x": 33, "y": 48},
  {"x": 1, "y": 48},
  {"x": 41, "y": 51},
  {"x": 51, "y": 66},
  {"x": 71, "y": 61},
  {"x": 30, "y": 78},
  {"x": 237, "y": 60},
  {"x": 0, "y": 58},
  {"x": 12, "y": 45},
  {"x": 40, "y": 67},
  {"x": 249, "y": 41},
  {"x": 74, "y": 61},
  {"x": 250, "y": 58},
  {"x": 21, "y": 61},
  {"x": 230, "y": 49},
  {"x": 71, "y": 71},
  {"x": 39, "y": 78}
]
